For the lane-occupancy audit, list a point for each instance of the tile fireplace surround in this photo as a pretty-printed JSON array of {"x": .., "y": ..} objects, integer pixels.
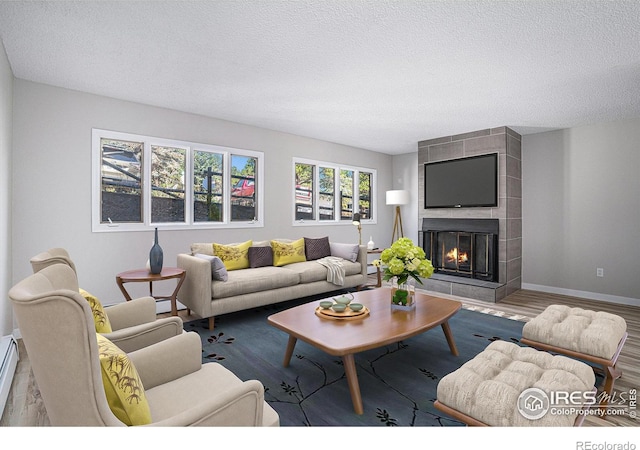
[{"x": 507, "y": 143}]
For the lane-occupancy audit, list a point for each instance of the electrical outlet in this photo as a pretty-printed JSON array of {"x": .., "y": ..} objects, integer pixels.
[{"x": 600, "y": 272}]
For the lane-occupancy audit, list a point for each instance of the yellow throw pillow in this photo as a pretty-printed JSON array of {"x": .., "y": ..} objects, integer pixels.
[
  {"x": 234, "y": 257},
  {"x": 122, "y": 384},
  {"x": 100, "y": 318},
  {"x": 288, "y": 253}
]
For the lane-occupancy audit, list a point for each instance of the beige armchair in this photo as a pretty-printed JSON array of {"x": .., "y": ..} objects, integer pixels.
[
  {"x": 134, "y": 324},
  {"x": 57, "y": 327}
]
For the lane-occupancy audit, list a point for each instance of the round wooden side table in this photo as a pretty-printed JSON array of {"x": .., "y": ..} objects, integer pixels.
[{"x": 143, "y": 275}]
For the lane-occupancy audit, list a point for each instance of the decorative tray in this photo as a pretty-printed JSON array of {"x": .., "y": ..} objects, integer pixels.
[{"x": 347, "y": 314}]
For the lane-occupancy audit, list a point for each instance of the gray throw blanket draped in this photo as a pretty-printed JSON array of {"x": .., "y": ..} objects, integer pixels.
[{"x": 335, "y": 270}]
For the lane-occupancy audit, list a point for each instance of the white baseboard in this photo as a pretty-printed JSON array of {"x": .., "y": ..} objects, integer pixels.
[
  {"x": 8, "y": 363},
  {"x": 582, "y": 294},
  {"x": 164, "y": 306}
]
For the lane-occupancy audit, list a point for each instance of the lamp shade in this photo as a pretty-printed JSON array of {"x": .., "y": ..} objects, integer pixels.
[
  {"x": 399, "y": 197},
  {"x": 356, "y": 219}
]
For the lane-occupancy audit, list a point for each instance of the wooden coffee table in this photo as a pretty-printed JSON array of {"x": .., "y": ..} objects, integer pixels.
[{"x": 382, "y": 326}]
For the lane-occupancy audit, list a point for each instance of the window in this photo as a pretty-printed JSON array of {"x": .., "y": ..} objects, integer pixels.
[
  {"x": 168, "y": 165},
  {"x": 121, "y": 180},
  {"x": 243, "y": 185},
  {"x": 305, "y": 208},
  {"x": 208, "y": 186},
  {"x": 140, "y": 182},
  {"x": 365, "y": 195},
  {"x": 326, "y": 192},
  {"x": 346, "y": 194}
]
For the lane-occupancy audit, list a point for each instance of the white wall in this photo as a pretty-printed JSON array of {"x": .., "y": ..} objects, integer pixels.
[
  {"x": 405, "y": 176},
  {"x": 581, "y": 211},
  {"x": 52, "y": 182},
  {"x": 581, "y": 207},
  {"x": 6, "y": 102}
]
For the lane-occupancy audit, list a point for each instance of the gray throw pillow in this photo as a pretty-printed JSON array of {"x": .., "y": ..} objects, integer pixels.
[
  {"x": 218, "y": 270},
  {"x": 260, "y": 256},
  {"x": 316, "y": 248},
  {"x": 345, "y": 251}
]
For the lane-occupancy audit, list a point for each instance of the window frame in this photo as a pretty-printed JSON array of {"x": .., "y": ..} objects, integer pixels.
[
  {"x": 337, "y": 211},
  {"x": 189, "y": 222}
]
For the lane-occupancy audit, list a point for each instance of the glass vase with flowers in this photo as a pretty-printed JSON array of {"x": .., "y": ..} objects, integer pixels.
[{"x": 404, "y": 263}]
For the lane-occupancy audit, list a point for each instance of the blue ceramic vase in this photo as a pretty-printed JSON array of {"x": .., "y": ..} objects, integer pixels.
[{"x": 155, "y": 256}]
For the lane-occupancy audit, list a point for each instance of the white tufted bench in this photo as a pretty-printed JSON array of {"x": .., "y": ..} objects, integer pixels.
[
  {"x": 595, "y": 337},
  {"x": 486, "y": 389}
]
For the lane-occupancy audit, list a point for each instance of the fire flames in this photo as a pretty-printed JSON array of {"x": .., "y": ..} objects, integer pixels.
[{"x": 454, "y": 256}]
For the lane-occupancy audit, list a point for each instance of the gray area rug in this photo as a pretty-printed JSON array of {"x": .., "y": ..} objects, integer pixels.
[{"x": 397, "y": 382}]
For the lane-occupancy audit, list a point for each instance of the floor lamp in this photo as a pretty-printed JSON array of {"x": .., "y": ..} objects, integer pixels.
[
  {"x": 397, "y": 198},
  {"x": 356, "y": 222}
]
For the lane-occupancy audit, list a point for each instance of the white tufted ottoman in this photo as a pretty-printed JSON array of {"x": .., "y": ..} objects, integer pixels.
[
  {"x": 488, "y": 390},
  {"x": 596, "y": 337}
]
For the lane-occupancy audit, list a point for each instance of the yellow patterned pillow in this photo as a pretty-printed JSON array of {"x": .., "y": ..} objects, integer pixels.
[
  {"x": 100, "y": 318},
  {"x": 122, "y": 384},
  {"x": 288, "y": 253},
  {"x": 234, "y": 257}
]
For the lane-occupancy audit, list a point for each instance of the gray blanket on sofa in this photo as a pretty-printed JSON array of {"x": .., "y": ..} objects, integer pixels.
[{"x": 335, "y": 270}]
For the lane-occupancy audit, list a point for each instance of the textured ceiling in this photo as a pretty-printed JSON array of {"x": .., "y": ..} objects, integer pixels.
[{"x": 376, "y": 74}]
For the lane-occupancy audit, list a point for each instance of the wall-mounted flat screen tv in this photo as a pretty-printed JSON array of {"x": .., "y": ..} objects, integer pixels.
[{"x": 462, "y": 183}]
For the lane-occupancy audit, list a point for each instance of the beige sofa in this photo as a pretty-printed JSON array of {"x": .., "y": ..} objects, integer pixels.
[{"x": 252, "y": 287}]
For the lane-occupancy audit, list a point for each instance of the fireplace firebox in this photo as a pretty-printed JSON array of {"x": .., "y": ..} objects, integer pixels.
[{"x": 462, "y": 247}]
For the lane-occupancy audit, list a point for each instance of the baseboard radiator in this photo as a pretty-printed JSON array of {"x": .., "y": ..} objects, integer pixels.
[{"x": 9, "y": 359}]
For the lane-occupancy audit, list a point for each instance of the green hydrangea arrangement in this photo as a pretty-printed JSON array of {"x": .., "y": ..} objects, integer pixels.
[{"x": 404, "y": 260}]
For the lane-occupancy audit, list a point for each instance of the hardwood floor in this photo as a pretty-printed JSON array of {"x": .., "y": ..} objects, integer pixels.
[{"x": 25, "y": 406}]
